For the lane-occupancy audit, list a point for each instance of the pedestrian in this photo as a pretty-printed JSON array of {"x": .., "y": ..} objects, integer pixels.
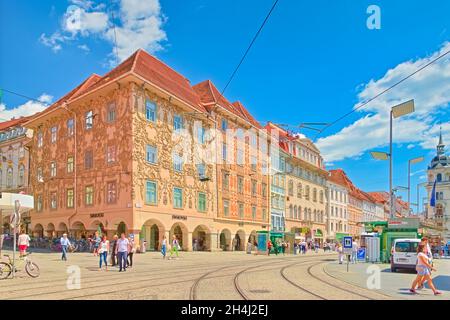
[
  {"x": 113, "y": 251},
  {"x": 340, "y": 253},
  {"x": 316, "y": 247},
  {"x": 24, "y": 242},
  {"x": 96, "y": 242},
  {"x": 355, "y": 248},
  {"x": 425, "y": 243},
  {"x": 423, "y": 268},
  {"x": 122, "y": 251},
  {"x": 65, "y": 243},
  {"x": 103, "y": 252},
  {"x": 175, "y": 246},
  {"x": 269, "y": 247},
  {"x": 164, "y": 247},
  {"x": 249, "y": 247},
  {"x": 131, "y": 252},
  {"x": 283, "y": 247}
]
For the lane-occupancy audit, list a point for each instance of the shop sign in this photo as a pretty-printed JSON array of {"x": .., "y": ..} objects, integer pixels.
[
  {"x": 97, "y": 215},
  {"x": 403, "y": 223},
  {"x": 178, "y": 217}
]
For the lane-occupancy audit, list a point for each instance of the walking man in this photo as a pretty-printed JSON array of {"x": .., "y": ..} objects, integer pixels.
[
  {"x": 65, "y": 243},
  {"x": 354, "y": 251},
  {"x": 113, "y": 251},
  {"x": 122, "y": 251}
]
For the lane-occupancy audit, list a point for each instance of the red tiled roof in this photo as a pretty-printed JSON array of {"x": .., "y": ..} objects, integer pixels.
[
  {"x": 13, "y": 122},
  {"x": 240, "y": 107},
  {"x": 209, "y": 95},
  {"x": 380, "y": 197}
]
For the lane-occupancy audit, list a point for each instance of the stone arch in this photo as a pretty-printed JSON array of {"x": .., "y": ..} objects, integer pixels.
[
  {"x": 239, "y": 240},
  {"x": 225, "y": 240},
  {"x": 179, "y": 230},
  {"x": 152, "y": 232},
  {"x": 50, "y": 230},
  {"x": 252, "y": 238},
  {"x": 78, "y": 230},
  {"x": 201, "y": 238},
  {"x": 62, "y": 228},
  {"x": 38, "y": 231}
]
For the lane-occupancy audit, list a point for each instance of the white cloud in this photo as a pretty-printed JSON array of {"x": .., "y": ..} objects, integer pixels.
[
  {"x": 138, "y": 24},
  {"x": 430, "y": 89},
  {"x": 410, "y": 146},
  {"x": 84, "y": 47},
  {"x": 26, "y": 109}
]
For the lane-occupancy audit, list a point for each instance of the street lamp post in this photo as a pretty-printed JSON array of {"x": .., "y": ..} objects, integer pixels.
[
  {"x": 411, "y": 161},
  {"x": 396, "y": 112}
]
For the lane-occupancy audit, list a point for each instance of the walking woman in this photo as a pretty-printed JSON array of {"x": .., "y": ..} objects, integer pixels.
[
  {"x": 103, "y": 249},
  {"x": 131, "y": 251},
  {"x": 175, "y": 246},
  {"x": 423, "y": 269},
  {"x": 164, "y": 247}
]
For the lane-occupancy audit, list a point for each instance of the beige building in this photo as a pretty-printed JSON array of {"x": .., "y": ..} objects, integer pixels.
[
  {"x": 305, "y": 188},
  {"x": 337, "y": 214}
]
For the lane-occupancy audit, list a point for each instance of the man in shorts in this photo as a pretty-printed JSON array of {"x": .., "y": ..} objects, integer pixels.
[{"x": 23, "y": 242}]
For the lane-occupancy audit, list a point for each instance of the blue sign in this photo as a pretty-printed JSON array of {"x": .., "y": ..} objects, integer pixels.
[
  {"x": 262, "y": 242},
  {"x": 361, "y": 255},
  {"x": 348, "y": 242}
]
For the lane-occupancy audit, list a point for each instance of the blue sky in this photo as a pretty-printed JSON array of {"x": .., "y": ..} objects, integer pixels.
[{"x": 314, "y": 61}]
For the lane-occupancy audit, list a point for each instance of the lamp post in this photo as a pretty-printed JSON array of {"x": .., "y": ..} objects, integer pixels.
[
  {"x": 410, "y": 162},
  {"x": 396, "y": 112}
]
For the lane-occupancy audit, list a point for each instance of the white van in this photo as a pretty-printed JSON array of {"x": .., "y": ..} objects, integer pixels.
[{"x": 404, "y": 254}]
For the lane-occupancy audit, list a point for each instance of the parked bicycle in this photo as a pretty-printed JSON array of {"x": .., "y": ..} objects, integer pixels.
[{"x": 30, "y": 267}]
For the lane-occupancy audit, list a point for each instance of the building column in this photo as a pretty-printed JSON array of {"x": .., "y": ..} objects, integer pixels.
[
  {"x": 188, "y": 245},
  {"x": 215, "y": 242}
]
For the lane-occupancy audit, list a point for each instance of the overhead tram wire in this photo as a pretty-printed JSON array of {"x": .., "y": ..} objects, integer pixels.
[
  {"x": 114, "y": 29},
  {"x": 381, "y": 93},
  {"x": 22, "y": 96}
]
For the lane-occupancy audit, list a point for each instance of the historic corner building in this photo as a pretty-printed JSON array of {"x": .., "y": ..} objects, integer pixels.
[
  {"x": 131, "y": 152},
  {"x": 439, "y": 172},
  {"x": 14, "y": 163},
  {"x": 304, "y": 178}
]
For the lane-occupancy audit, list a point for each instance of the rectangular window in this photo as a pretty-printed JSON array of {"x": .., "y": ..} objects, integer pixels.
[
  {"x": 224, "y": 151},
  {"x": 240, "y": 157},
  {"x": 40, "y": 139},
  {"x": 150, "y": 110},
  {"x": 54, "y": 131},
  {"x": 89, "y": 196},
  {"x": 178, "y": 198},
  {"x": 111, "y": 190},
  {"x": 39, "y": 203},
  {"x": 53, "y": 201},
  {"x": 151, "y": 193},
  {"x": 241, "y": 210},
  {"x": 201, "y": 135},
  {"x": 254, "y": 188},
  {"x": 253, "y": 162},
  {"x": 264, "y": 214},
  {"x": 226, "y": 208},
  {"x": 253, "y": 213},
  {"x": 240, "y": 184},
  {"x": 40, "y": 175},
  {"x": 89, "y": 120},
  {"x": 70, "y": 164},
  {"x": 224, "y": 125},
  {"x": 111, "y": 112},
  {"x": 70, "y": 127},
  {"x": 201, "y": 169},
  {"x": 202, "y": 202},
  {"x": 226, "y": 181},
  {"x": 111, "y": 154},
  {"x": 70, "y": 198},
  {"x": 88, "y": 160},
  {"x": 151, "y": 154},
  {"x": 264, "y": 190},
  {"x": 177, "y": 162},
  {"x": 53, "y": 169},
  {"x": 177, "y": 123}
]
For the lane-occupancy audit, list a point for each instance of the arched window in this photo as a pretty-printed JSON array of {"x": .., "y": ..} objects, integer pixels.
[
  {"x": 307, "y": 193},
  {"x": 309, "y": 215},
  {"x": 315, "y": 195},
  {"x": 295, "y": 212},
  {"x": 299, "y": 213},
  {"x": 305, "y": 216},
  {"x": 299, "y": 190},
  {"x": 439, "y": 177},
  {"x": 21, "y": 174},
  {"x": 321, "y": 196},
  {"x": 315, "y": 215},
  {"x": 1, "y": 177},
  {"x": 439, "y": 210},
  {"x": 291, "y": 214},
  {"x": 9, "y": 177}
]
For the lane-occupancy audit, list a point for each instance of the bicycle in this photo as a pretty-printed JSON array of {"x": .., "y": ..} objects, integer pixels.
[{"x": 31, "y": 268}]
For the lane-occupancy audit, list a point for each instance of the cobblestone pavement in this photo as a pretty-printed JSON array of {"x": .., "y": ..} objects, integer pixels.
[
  {"x": 196, "y": 275},
  {"x": 394, "y": 284}
]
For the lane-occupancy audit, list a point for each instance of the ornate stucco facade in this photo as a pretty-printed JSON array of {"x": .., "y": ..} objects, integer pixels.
[{"x": 137, "y": 151}]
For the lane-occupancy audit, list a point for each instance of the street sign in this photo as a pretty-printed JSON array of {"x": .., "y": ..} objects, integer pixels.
[{"x": 348, "y": 243}]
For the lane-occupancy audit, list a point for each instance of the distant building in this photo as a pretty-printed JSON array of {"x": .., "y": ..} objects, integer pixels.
[
  {"x": 337, "y": 206},
  {"x": 439, "y": 172}
]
